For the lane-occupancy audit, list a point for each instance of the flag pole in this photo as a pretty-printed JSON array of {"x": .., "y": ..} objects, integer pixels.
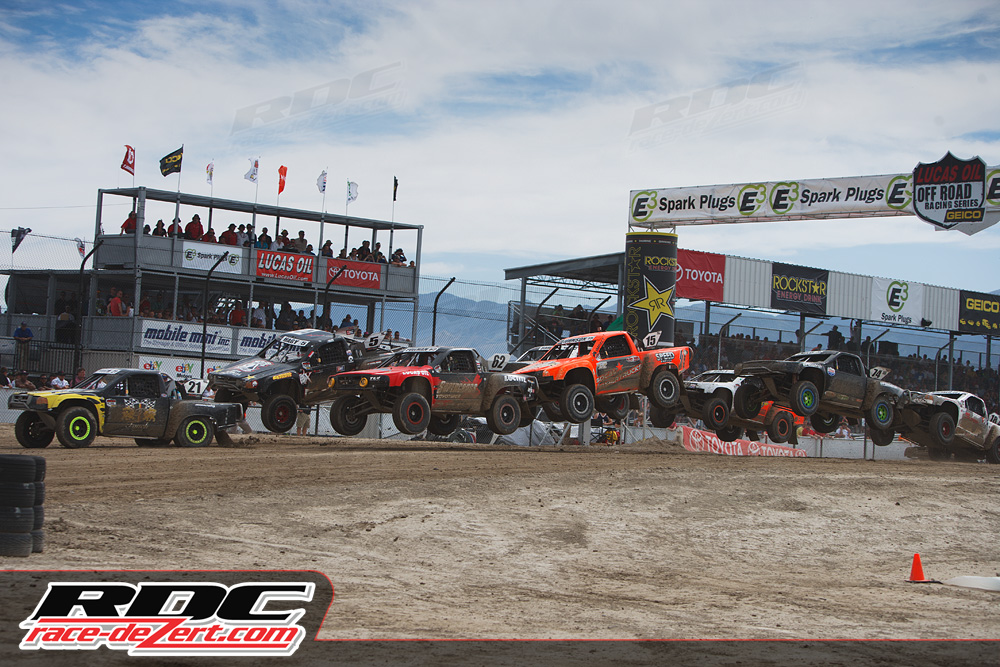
[
  {"x": 322, "y": 220},
  {"x": 133, "y": 168},
  {"x": 256, "y": 184}
]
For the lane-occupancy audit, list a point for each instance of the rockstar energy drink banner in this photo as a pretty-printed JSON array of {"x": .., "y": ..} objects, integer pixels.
[
  {"x": 650, "y": 282},
  {"x": 798, "y": 288},
  {"x": 979, "y": 313}
]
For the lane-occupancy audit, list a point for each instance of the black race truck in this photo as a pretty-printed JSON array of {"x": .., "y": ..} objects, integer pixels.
[
  {"x": 140, "y": 404},
  {"x": 292, "y": 370},
  {"x": 822, "y": 385}
]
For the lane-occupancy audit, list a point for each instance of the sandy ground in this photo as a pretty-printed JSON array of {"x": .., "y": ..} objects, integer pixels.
[{"x": 432, "y": 540}]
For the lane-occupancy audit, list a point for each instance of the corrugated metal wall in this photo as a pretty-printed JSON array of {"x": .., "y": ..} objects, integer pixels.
[
  {"x": 941, "y": 307},
  {"x": 849, "y": 295},
  {"x": 747, "y": 282}
]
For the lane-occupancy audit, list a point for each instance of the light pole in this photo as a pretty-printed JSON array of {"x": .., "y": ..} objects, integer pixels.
[
  {"x": 204, "y": 311},
  {"x": 326, "y": 296},
  {"x": 78, "y": 356}
]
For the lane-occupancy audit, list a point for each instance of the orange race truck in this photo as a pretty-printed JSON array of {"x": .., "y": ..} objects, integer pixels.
[{"x": 609, "y": 366}]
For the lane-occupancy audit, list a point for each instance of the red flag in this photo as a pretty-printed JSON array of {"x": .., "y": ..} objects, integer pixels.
[
  {"x": 282, "y": 171},
  {"x": 128, "y": 164}
]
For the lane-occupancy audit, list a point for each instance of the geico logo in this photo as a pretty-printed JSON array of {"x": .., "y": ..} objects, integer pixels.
[
  {"x": 662, "y": 261},
  {"x": 974, "y": 214},
  {"x": 983, "y": 305}
]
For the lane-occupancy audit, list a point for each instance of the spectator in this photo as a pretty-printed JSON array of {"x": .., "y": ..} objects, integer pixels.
[
  {"x": 80, "y": 376},
  {"x": 229, "y": 237},
  {"x": 343, "y": 254},
  {"x": 65, "y": 326},
  {"x": 309, "y": 249},
  {"x": 23, "y": 336},
  {"x": 159, "y": 230},
  {"x": 355, "y": 255},
  {"x": 365, "y": 252},
  {"x": 327, "y": 249},
  {"x": 145, "y": 229},
  {"x": 257, "y": 316},
  {"x": 251, "y": 236},
  {"x": 60, "y": 381},
  {"x": 282, "y": 242},
  {"x": 22, "y": 381},
  {"x": 209, "y": 237},
  {"x": 866, "y": 345},
  {"x": 241, "y": 236},
  {"x": 194, "y": 231},
  {"x": 60, "y": 303},
  {"x": 116, "y": 306},
  {"x": 346, "y": 322},
  {"x": 128, "y": 227},
  {"x": 238, "y": 316},
  {"x": 175, "y": 228},
  {"x": 4, "y": 378},
  {"x": 302, "y": 421},
  {"x": 413, "y": 264},
  {"x": 398, "y": 258},
  {"x": 834, "y": 338},
  {"x": 264, "y": 240}
]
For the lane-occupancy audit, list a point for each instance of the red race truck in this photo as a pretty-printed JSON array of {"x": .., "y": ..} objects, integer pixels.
[{"x": 609, "y": 366}]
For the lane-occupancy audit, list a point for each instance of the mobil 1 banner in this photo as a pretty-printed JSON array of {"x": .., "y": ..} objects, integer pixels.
[
  {"x": 979, "y": 313},
  {"x": 650, "y": 284},
  {"x": 799, "y": 288},
  {"x": 896, "y": 301}
]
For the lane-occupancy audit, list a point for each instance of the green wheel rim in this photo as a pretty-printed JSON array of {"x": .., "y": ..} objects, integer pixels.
[
  {"x": 79, "y": 428},
  {"x": 196, "y": 432},
  {"x": 808, "y": 399},
  {"x": 882, "y": 413}
]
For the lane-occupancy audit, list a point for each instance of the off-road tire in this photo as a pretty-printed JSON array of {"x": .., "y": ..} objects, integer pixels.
[
  {"x": 411, "y": 413},
  {"x": 747, "y": 401},
  {"x": 443, "y": 425},
  {"x": 881, "y": 437},
  {"x": 729, "y": 433},
  {"x": 504, "y": 415},
  {"x": 17, "y": 468},
  {"x": 553, "y": 412},
  {"x": 76, "y": 427},
  {"x": 824, "y": 423},
  {"x": 880, "y": 414},
  {"x": 942, "y": 429},
  {"x": 195, "y": 432},
  {"x": 993, "y": 453},
  {"x": 938, "y": 454},
  {"x": 153, "y": 442},
  {"x": 804, "y": 398},
  {"x": 17, "y": 494},
  {"x": 17, "y": 545},
  {"x": 665, "y": 388},
  {"x": 661, "y": 417},
  {"x": 344, "y": 419},
  {"x": 577, "y": 403},
  {"x": 715, "y": 414},
  {"x": 278, "y": 413},
  {"x": 16, "y": 519},
  {"x": 31, "y": 432},
  {"x": 615, "y": 406},
  {"x": 781, "y": 427}
]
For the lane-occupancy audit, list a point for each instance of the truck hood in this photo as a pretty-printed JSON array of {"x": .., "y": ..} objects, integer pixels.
[{"x": 252, "y": 368}]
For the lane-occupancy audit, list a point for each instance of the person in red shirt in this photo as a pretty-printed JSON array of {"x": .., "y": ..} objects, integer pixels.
[
  {"x": 128, "y": 227},
  {"x": 229, "y": 236},
  {"x": 194, "y": 230},
  {"x": 209, "y": 237},
  {"x": 175, "y": 228},
  {"x": 115, "y": 306},
  {"x": 238, "y": 316}
]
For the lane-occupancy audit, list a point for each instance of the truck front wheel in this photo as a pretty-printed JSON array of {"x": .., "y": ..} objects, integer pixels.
[
  {"x": 577, "y": 403},
  {"x": 278, "y": 413},
  {"x": 345, "y": 418},
  {"x": 76, "y": 427},
  {"x": 942, "y": 428},
  {"x": 195, "y": 432},
  {"x": 411, "y": 413}
]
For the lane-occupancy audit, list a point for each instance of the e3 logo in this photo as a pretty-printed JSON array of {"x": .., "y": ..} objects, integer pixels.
[
  {"x": 643, "y": 204},
  {"x": 896, "y": 295}
]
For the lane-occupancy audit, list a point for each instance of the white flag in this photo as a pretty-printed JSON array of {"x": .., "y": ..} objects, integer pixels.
[
  {"x": 209, "y": 170},
  {"x": 352, "y": 191},
  {"x": 321, "y": 181},
  {"x": 80, "y": 246},
  {"x": 252, "y": 174}
]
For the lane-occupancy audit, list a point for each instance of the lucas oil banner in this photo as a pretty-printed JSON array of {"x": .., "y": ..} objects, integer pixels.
[{"x": 650, "y": 284}]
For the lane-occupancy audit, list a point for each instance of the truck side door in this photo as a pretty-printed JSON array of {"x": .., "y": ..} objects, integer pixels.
[
  {"x": 138, "y": 407},
  {"x": 972, "y": 421},
  {"x": 326, "y": 361},
  {"x": 847, "y": 385},
  {"x": 617, "y": 366},
  {"x": 461, "y": 382}
]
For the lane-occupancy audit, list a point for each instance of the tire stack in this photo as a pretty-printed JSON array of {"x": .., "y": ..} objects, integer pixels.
[{"x": 22, "y": 510}]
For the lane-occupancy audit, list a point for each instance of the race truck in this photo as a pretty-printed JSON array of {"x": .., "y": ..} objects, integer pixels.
[
  {"x": 609, "y": 366},
  {"x": 292, "y": 370},
  {"x": 431, "y": 388},
  {"x": 710, "y": 395},
  {"x": 822, "y": 385},
  {"x": 148, "y": 406},
  {"x": 950, "y": 422}
]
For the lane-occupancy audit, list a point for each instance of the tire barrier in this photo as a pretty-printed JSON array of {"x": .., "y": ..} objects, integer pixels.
[{"x": 22, "y": 509}]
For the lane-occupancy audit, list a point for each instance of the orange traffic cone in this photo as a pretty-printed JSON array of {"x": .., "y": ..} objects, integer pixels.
[{"x": 917, "y": 572}]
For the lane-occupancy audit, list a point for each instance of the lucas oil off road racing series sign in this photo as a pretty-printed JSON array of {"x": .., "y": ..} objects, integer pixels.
[
  {"x": 286, "y": 265},
  {"x": 963, "y": 195}
]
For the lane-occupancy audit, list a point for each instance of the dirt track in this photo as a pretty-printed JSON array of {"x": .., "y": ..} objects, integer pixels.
[{"x": 643, "y": 541}]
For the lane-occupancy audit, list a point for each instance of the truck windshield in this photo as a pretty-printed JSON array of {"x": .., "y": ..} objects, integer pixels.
[
  {"x": 284, "y": 349},
  {"x": 409, "y": 358},
  {"x": 569, "y": 349},
  {"x": 96, "y": 381}
]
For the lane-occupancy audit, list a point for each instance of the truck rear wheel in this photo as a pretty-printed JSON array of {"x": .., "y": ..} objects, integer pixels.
[
  {"x": 780, "y": 428},
  {"x": 880, "y": 437},
  {"x": 577, "y": 403},
  {"x": 746, "y": 401},
  {"x": 942, "y": 428},
  {"x": 661, "y": 417},
  {"x": 76, "y": 427},
  {"x": 715, "y": 413},
  {"x": 504, "y": 415},
  {"x": 729, "y": 433},
  {"x": 553, "y": 412},
  {"x": 824, "y": 423},
  {"x": 880, "y": 414},
  {"x": 443, "y": 425},
  {"x": 993, "y": 453},
  {"x": 614, "y": 406},
  {"x": 665, "y": 388}
]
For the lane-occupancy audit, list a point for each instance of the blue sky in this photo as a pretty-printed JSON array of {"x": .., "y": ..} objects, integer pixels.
[{"x": 510, "y": 125}]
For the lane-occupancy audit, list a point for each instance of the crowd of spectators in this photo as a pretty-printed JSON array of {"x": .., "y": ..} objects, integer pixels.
[
  {"x": 244, "y": 236},
  {"x": 19, "y": 379}
]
